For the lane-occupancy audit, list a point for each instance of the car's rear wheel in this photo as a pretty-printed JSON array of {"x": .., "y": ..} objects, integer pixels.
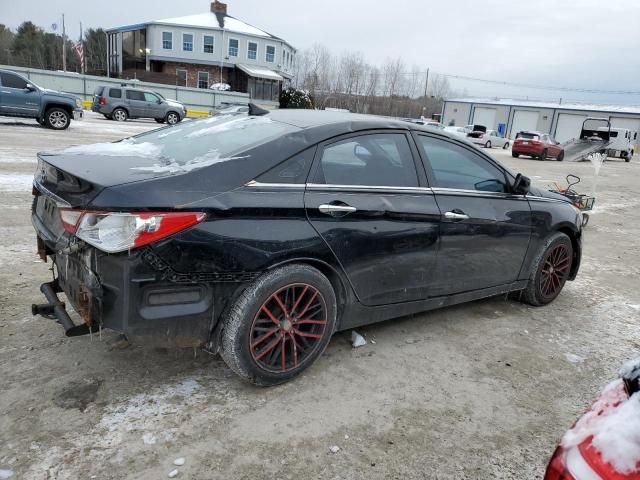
[
  {"x": 57, "y": 118},
  {"x": 159, "y": 120},
  {"x": 543, "y": 155},
  {"x": 488, "y": 144},
  {"x": 550, "y": 270},
  {"x": 279, "y": 325},
  {"x": 560, "y": 156},
  {"x": 505, "y": 146},
  {"x": 515, "y": 155},
  {"x": 120, "y": 115},
  {"x": 172, "y": 118}
]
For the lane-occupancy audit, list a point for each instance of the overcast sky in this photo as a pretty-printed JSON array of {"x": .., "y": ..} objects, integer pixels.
[{"x": 587, "y": 44}]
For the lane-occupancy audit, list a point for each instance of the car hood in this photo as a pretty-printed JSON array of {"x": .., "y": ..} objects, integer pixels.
[
  {"x": 173, "y": 103},
  {"x": 539, "y": 192},
  {"x": 56, "y": 93}
]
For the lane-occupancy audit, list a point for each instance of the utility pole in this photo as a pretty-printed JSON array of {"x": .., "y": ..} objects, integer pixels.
[
  {"x": 426, "y": 85},
  {"x": 82, "y": 66},
  {"x": 64, "y": 47}
]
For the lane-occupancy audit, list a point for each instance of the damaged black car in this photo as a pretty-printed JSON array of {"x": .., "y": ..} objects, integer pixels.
[{"x": 260, "y": 235}]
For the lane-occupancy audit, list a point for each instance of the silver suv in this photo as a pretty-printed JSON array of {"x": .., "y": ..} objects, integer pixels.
[{"x": 123, "y": 102}]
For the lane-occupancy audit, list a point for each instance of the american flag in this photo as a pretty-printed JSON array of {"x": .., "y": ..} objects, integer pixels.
[{"x": 79, "y": 49}]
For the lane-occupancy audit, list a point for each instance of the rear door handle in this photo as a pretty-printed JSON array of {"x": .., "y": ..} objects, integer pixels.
[
  {"x": 456, "y": 216},
  {"x": 330, "y": 208}
]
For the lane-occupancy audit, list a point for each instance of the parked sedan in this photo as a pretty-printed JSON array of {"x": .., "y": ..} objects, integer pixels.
[
  {"x": 487, "y": 138},
  {"x": 457, "y": 131},
  {"x": 604, "y": 444},
  {"x": 537, "y": 145},
  {"x": 261, "y": 235}
]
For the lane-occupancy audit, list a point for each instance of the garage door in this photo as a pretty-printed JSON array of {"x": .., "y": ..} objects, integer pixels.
[
  {"x": 524, "y": 120},
  {"x": 569, "y": 126},
  {"x": 485, "y": 116},
  {"x": 633, "y": 124}
]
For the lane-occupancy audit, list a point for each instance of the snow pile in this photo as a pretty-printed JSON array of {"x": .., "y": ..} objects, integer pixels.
[
  {"x": 614, "y": 423},
  {"x": 125, "y": 148},
  {"x": 171, "y": 166},
  {"x": 628, "y": 368},
  {"x": 5, "y": 473},
  {"x": 223, "y": 87}
]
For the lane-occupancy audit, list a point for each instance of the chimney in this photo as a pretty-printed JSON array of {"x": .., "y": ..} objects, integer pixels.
[{"x": 219, "y": 7}]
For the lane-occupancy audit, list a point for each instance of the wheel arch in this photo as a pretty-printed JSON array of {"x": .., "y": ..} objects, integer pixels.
[
  {"x": 49, "y": 105},
  {"x": 575, "y": 237}
]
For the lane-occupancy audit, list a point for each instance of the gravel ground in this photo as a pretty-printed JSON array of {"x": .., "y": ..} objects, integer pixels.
[{"x": 477, "y": 391}]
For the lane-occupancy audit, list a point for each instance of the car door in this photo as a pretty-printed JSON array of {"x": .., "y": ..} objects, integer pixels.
[
  {"x": 367, "y": 201},
  {"x": 485, "y": 229},
  {"x": 16, "y": 98},
  {"x": 555, "y": 147},
  {"x": 154, "y": 107},
  {"x": 136, "y": 103}
]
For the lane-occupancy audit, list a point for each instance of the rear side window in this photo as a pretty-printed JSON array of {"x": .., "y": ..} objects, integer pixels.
[
  {"x": 115, "y": 93},
  {"x": 11, "y": 80},
  {"x": 135, "y": 95},
  {"x": 293, "y": 170},
  {"x": 368, "y": 160},
  {"x": 456, "y": 167}
]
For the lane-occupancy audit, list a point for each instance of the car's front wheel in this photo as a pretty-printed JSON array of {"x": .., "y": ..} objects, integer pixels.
[
  {"x": 57, "y": 118},
  {"x": 505, "y": 146},
  {"x": 515, "y": 155},
  {"x": 550, "y": 270},
  {"x": 488, "y": 144},
  {"x": 172, "y": 118},
  {"x": 560, "y": 156},
  {"x": 543, "y": 156},
  {"x": 279, "y": 325}
]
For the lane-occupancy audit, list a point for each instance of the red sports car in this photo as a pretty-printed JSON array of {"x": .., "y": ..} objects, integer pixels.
[
  {"x": 604, "y": 444},
  {"x": 537, "y": 145}
]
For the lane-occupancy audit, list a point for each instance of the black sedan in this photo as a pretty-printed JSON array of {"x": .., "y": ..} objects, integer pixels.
[{"x": 260, "y": 235}]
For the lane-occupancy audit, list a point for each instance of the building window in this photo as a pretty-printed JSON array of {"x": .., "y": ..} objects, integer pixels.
[
  {"x": 208, "y": 44},
  {"x": 203, "y": 79},
  {"x": 187, "y": 42},
  {"x": 252, "y": 51},
  {"x": 167, "y": 40},
  {"x": 233, "y": 47},
  {"x": 271, "y": 54},
  {"x": 181, "y": 77}
]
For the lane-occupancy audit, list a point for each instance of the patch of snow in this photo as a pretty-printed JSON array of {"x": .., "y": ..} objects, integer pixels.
[
  {"x": 236, "y": 124},
  {"x": 173, "y": 473},
  {"x": 15, "y": 182},
  {"x": 171, "y": 166},
  {"x": 357, "y": 340},
  {"x": 220, "y": 86},
  {"x": 5, "y": 473},
  {"x": 614, "y": 423},
  {"x": 178, "y": 462},
  {"x": 171, "y": 131},
  {"x": 573, "y": 358},
  {"x": 125, "y": 148},
  {"x": 629, "y": 366},
  {"x": 149, "y": 438},
  {"x": 334, "y": 449},
  {"x": 210, "y": 20}
]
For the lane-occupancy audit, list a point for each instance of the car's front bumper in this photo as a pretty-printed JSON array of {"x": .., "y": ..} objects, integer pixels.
[{"x": 78, "y": 114}]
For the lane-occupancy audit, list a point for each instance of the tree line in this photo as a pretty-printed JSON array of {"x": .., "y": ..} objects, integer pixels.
[{"x": 33, "y": 47}]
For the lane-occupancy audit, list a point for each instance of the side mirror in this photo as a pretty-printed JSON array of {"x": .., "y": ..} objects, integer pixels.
[
  {"x": 159, "y": 101},
  {"x": 30, "y": 87},
  {"x": 521, "y": 185}
]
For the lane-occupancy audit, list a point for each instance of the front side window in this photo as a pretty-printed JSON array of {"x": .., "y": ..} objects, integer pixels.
[
  {"x": 271, "y": 54},
  {"x": 167, "y": 40},
  {"x": 252, "y": 51},
  {"x": 135, "y": 95},
  {"x": 456, "y": 167},
  {"x": 187, "y": 42},
  {"x": 11, "y": 80},
  {"x": 233, "y": 47},
  {"x": 208, "y": 44},
  {"x": 369, "y": 160},
  {"x": 151, "y": 97},
  {"x": 203, "y": 79}
]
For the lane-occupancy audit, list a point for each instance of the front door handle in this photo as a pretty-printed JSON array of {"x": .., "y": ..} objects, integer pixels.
[
  {"x": 330, "y": 209},
  {"x": 456, "y": 216}
]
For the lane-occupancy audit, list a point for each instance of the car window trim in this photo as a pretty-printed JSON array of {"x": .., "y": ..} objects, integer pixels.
[
  {"x": 422, "y": 180},
  {"x": 427, "y": 165}
]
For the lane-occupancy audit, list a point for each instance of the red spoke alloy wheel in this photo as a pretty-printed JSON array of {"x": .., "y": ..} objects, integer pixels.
[
  {"x": 288, "y": 328},
  {"x": 555, "y": 270}
]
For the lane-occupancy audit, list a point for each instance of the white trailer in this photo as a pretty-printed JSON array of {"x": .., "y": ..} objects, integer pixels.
[{"x": 620, "y": 143}]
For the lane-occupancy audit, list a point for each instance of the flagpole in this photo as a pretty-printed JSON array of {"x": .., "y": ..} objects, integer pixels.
[
  {"x": 82, "y": 67},
  {"x": 64, "y": 49}
]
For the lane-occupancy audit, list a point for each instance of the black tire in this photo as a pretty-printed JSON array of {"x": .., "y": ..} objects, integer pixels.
[
  {"x": 543, "y": 156},
  {"x": 560, "y": 156},
  {"x": 505, "y": 146},
  {"x": 57, "y": 118},
  {"x": 119, "y": 115},
  {"x": 556, "y": 254},
  {"x": 488, "y": 144},
  {"x": 515, "y": 155},
  {"x": 159, "y": 120},
  {"x": 243, "y": 324},
  {"x": 172, "y": 118},
  {"x": 42, "y": 121}
]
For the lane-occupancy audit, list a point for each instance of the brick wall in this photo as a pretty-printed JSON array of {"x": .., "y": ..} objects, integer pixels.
[{"x": 192, "y": 72}]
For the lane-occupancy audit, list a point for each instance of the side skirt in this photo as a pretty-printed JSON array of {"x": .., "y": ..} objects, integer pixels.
[{"x": 356, "y": 315}]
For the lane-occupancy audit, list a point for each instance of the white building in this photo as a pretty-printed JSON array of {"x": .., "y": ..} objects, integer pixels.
[
  {"x": 201, "y": 50},
  {"x": 562, "y": 120}
]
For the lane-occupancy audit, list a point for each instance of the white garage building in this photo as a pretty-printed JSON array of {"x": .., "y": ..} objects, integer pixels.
[{"x": 562, "y": 120}]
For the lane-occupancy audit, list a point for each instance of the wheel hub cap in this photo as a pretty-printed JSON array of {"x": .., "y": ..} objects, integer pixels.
[{"x": 555, "y": 270}]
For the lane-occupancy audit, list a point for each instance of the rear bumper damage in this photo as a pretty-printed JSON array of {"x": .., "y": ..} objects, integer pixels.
[{"x": 131, "y": 295}]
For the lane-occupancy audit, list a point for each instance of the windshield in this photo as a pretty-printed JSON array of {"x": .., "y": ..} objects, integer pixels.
[
  {"x": 528, "y": 136},
  {"x": 190, "y": 145}
]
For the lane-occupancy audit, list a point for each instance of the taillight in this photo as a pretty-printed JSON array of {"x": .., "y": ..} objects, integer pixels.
[
  {"x": 103, "y": 101},
  {"x": 116, "y": 232},
  {"x": 557, "y": 469}
]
